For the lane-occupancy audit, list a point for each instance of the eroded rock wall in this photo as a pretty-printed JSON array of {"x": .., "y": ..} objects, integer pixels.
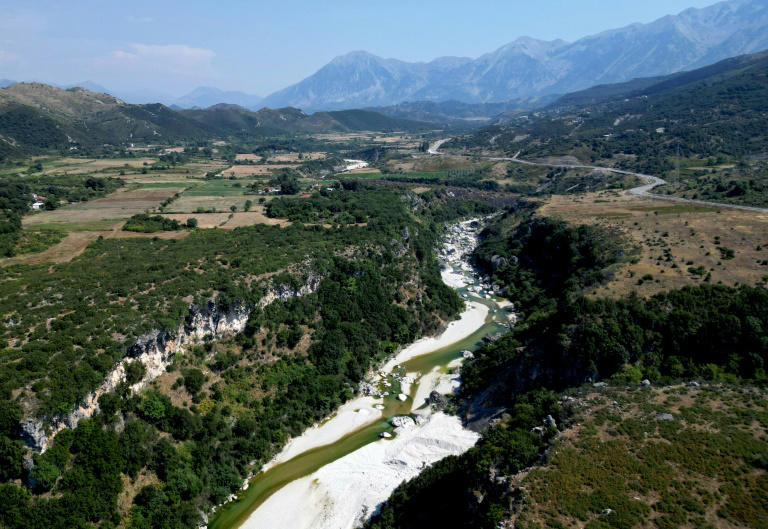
[{"x": 156, "y": 350}]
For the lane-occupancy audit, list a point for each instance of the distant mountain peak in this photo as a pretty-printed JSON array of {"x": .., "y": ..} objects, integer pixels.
[
  {"x": 530, "y": 67},
  {"x": 355, "y": 56}
]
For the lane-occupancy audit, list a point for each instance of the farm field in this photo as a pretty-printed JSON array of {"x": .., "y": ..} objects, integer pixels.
[
  {"x": 182, "y": 192},
  {"x": 240, "y": 171},
  {"x": 229, "y": 220},
  {"x": 296, "y": 157}
]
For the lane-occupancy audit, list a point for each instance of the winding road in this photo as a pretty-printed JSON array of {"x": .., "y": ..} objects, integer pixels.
[{"x": 642, "y": 191}]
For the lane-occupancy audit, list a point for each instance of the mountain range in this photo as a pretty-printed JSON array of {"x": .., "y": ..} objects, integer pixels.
[
  {"x": 206, "y": 96},
  {"x": 529, "y": 67},
  {"x": 523, "y": 73}
]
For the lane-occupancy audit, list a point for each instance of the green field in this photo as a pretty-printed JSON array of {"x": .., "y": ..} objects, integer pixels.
[{"x": 218, "y": 188}]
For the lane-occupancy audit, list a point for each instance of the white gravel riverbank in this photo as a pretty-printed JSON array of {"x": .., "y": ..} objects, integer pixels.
[{"x": 343, "y": 494}]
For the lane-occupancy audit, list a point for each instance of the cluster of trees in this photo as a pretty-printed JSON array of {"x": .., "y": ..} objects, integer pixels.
[
  {"x": 545, "y": 260},
  {"x": 145, "y": 223},
  {"x": 699, "y": 331},
  {"x": 16, "y": 197},
  {"x": 348, "y": 205},
  {"x": 287, "y": 180},
  {"x": 458, "y": 178}
]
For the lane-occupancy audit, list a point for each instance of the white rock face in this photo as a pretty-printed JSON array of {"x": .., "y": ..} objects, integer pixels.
[{"x": 156, "y": 350}]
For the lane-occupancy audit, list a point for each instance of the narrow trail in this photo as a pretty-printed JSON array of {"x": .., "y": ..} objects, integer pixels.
[{"x": 641, "y": 191}]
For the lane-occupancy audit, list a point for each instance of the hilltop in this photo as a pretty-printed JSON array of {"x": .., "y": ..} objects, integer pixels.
[{"x": 35, "y": 117}]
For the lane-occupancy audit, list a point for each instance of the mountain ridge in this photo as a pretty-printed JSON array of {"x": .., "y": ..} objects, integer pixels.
[
  {"x": 691, "y": 39},
  {"x": 35, "y": 117}
]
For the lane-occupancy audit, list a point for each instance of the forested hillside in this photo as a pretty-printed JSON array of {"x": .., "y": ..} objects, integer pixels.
[
  {"x": 710, "y": 123},
  {"x": 338, "y": 300}
]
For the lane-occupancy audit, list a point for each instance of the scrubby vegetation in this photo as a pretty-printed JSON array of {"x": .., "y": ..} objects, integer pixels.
[
  {"x": 678, "y": 457},
  {"x": 340, "y": 206}
]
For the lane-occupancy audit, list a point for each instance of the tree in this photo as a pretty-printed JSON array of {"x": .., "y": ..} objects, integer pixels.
[
  {"x": 232, "y": 208},
  {"x": 11, "y": 453},
  {"x": 134, "y": 372},
  {"x": 152, "y": 407},
  {"x": 247, "y": 206},
  {"x": 194, "y": 380},
  {"x": 289, "y": 186},
  {"x": 192, "y": 222}
]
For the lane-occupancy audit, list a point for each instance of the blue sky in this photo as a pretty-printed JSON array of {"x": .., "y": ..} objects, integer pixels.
[{"x": 170, "y": 46}]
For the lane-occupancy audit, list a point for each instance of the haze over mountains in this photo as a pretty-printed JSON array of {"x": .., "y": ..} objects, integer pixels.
[
  {"x": 518, "y": 72},
  {"x": 35, "y": 117},
  {"x": 529, "y": 67}
]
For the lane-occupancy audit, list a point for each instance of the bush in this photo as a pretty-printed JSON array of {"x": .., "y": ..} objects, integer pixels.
[{"x": 194, "y": 380}]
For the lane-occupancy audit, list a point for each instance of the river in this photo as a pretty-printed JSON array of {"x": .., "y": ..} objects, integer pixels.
[{"x": 335, "y": 474}]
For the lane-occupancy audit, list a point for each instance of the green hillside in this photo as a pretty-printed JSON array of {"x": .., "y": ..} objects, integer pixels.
[{"x": 713, "y": 120}]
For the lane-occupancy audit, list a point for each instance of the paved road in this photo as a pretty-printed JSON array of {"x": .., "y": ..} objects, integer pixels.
[{"x": 643, "y": 190}]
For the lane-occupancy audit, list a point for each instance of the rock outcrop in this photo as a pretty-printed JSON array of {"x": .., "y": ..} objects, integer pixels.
[{"x": 156, "y": 350}]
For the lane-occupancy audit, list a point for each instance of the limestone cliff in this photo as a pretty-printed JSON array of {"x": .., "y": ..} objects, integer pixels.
[{"x": 156, "y": 350}]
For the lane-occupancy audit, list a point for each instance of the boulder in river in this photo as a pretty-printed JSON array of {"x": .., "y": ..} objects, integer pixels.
[
  {"x": 402, "y": 421},
  {"x": 437, "y": 401}
]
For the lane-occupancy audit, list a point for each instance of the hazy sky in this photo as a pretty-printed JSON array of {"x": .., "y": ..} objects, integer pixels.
[{"x": 170, "y": 46}]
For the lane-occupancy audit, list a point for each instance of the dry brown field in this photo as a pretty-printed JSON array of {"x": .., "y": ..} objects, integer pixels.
[
  {"x": 204, "y": 220},
  {"x": 671, "y": 239},
  {"x": 250, "y": 157},
  {"x": 116, "y": 206},
  {"x": 294, "y": 157},
  {"x": 190, "y": 204},
  {"x": 85, "y": 222},
  {"x": 240, "y": 171},
  {"x": 362, "y": 170},
  {"x": 249, "y": 218},
  {"x": 229, "y": 220}
]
